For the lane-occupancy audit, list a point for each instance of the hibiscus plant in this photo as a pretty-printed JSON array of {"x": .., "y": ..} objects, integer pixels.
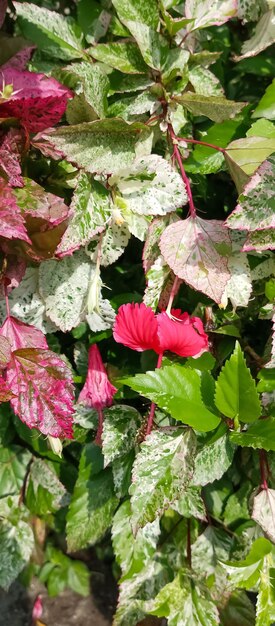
[{"x": 137, "y": 290}]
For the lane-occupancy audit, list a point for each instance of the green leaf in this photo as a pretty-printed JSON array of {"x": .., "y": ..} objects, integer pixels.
[
  {"x": 16, "y": 545},
  {"x": 133, "y": 552},
  {"x": 93, "y": 20},
  {"x": 264, "y": 36},
  {"x": 256, "y": 207},
  {"x": 122, "y": 56},
  {"x": 236, "y": 395},
  {"x": 51, "y": 32},
  {"x": 267, "y": 379},
  {"x": 103, "y": 146},
  {"x": 263, "y": 512},
  {"x": 161, "y": 473},
  {"x": 191, "y": 504},
  {"x": 138, "y": 11},
  {"x": 260, "y": 240},
  {"x": 91, "y": 209},
  {"x": 262, "y": 128},
  {"x": 206, "y": 160},
  {"x": 211, "y": 546},
  {"x": 246, "y": 573},
  {"x": 266, "y": 106},
  {"x": 248, "y": 153},
  {"x": 186, "y": 603},
  {"x": 13, "y": 469},
  {"x": 176, "y": 389},
  {"x": 93, "y": 501},
  {"x": 150, "y": 186},
  {"x": 265, "y": 609},
  {"x": 45, "y": 493},
  {"x": 239, "y": 610},
  {"x": 153, "y": 47},
  {"x": 259, "y": 435},
  {"x": 216, "y": 108},
  {"x": 121, "y": 424},
  {"x": 236, "y": 507},
  {"x": 213, "y": 460}
]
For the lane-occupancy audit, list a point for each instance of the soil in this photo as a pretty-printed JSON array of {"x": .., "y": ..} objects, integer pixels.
[{"x": 68, "y": 609}]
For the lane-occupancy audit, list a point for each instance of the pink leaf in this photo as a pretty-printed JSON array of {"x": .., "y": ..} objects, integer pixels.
[
  {"x": 37, "y": 203},
  {"x": 3, "y": 8},
  {"x": 40, "y": 142},
  {"x": 43, "y": 385},
  {"x": 12, "y": 275},
  {"x": 22, "y": 335},
  {"x": 5, "y": 352},
  {"x": 38, "y": 101},
  {"x": 19, "y": 60},
  {"x": 196, "y": 250},
  {"x": 5, "y": 393},
  {"x": 10, "y": 156},
  {"x": 12, "y": 224}
]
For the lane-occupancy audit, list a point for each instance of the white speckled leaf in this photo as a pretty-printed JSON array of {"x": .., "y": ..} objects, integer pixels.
[
  {"x": 103, "y": 146},
  {"x": 212, "y": 461},
  {"x": 121, "y": 424},
  {"x": 162, "y": 470},
  {"x": 51, "y": 31},
  {"x": 138, "y": 224},
  {"x": 263, "y": 36},
  {"x": 64, "y": 286},
  {"x": 138, "y": 10},
  {"x": 263, "y": 512},
  {"x": 205, "y": 82},
  {"x": 239, "y": 287},
  {"x": 95, "y": 85},
  {"x": 197, "y": 250},
  {"x": 250, "y": 10},
  {"x": 103, "y": 317},
  {"x": 16, "y": 545},
  {"x": 260, "y": 240},
  {"x": 256, "y": 207},
  {"x": 159, "y": 283},
  {"x": 91, "y": 210},
  {"x": 133, "y": 551},
  {"x": 207, "y": 13},
  {"x": 113, "y": 244},
  {"x": 153, "y": 46},
  {"x": 150, "y": 186},
  {"x": 26, "y": 303}
]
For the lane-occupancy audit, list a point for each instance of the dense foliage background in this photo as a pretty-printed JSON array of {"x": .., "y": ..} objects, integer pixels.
[{"x": 136, "y": 143}]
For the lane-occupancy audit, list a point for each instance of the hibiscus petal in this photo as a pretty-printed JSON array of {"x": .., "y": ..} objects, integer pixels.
[
  {"x": 136, "y": 327},
  {"x": 185, "y": 337}
]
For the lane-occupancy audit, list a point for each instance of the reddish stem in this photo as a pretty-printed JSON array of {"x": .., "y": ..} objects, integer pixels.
[
  {"x": 263, "y": 469},
  {"x": 98, "y": 439},
  {"x": 174, "y": 291},
  {"x": 185, "y": 178},
  {"x": 188, "y": 544},
  {"x": 202, "y": 143},
  {"x": 153, "y": 405}
]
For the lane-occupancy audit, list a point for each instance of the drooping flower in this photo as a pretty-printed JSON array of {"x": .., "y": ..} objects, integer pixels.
[
  {"x": 38, "y": 101},
  {"x": 97, "y": 392},
  {"x": 137, "y": 327}
]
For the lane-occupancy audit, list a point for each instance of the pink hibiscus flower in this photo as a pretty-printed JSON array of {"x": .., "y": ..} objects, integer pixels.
[{"x": 137, "y": 327}]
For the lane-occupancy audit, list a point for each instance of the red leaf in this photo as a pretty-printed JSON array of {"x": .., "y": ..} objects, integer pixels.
[
  {"x": 38, "y": 101},
  {"x": 19, "y": 60},
  {"x": 37, "y": 203},
  {"x": 5, "y": 352},
  {"x": 42, "y": 383},
  {"x": 12, "y": 225},
  {"x": 3, "y": 8},
  {"x": 5, "y": 393},
  {"x": 22, "y": 335},
  {"x": 10, "y": 156},
  {"x": 12, "y": 275},
  {"x": 197, "y": 250}
]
